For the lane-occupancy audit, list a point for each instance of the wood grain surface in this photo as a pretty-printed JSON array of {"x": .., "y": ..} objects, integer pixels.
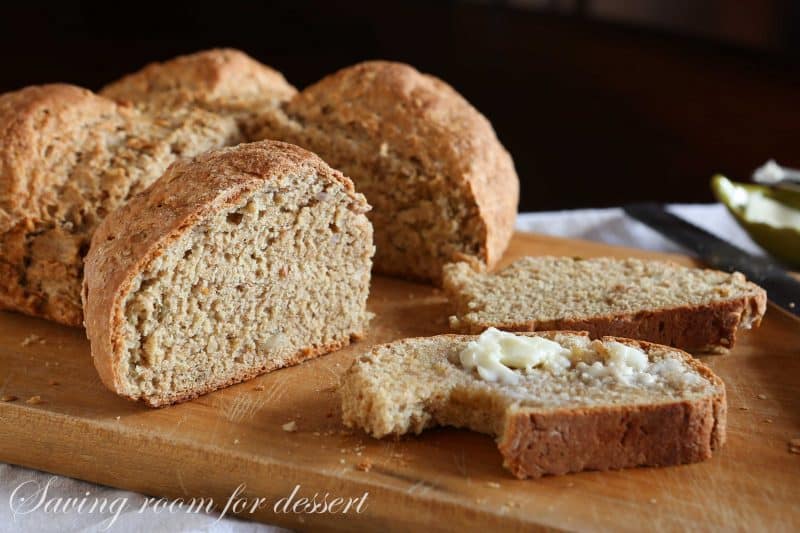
[{"x": 445, "y": 479}]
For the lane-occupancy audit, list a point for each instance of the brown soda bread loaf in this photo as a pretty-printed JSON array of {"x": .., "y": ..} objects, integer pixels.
[{"x": 234, "y": 263}]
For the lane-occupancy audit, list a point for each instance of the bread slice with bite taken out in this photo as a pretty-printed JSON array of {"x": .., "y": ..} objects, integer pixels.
[
  {"x": 234, "y": 263},
  {"x": 557, "y": 402}
]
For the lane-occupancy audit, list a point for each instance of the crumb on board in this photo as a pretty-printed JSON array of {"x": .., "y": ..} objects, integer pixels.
[
  {"x": 290, "y": 426},
  {"x": 493, "y": 484},
  {"x": 258, "y": 388},
  {"x": 8, "y": 398},
  {"x": 341, "y": 461},
  {"x": 762, "y": 396},
  {"x": 653, "y": 500},
  {"x": 117, "y": 417},
  {"x": 236, "y": 441},
  {"x": 30, "y": 339},
  {"x": 364, "y": 466},
  {"x": 794, "y": 445},
  {"x": 768, "y": 421},
  {"x": 34, "y": 400},
  {"x": 744, "y": 408}
]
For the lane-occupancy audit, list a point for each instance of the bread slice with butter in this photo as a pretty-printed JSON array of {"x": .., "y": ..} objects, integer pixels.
[
  {"x": 694, "y": 309},
  {"x": 557, "y": 402}
]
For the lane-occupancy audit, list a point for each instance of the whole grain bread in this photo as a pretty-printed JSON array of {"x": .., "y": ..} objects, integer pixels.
[
  {"x": 67, "y": 158},
  {"x": 234, "y": 263},
  {"x": 224, "y": 81},
  {"x": 690, "y": 308},
  {"x": 548, "y": 423},
  {"x": 441, "y": 185}
]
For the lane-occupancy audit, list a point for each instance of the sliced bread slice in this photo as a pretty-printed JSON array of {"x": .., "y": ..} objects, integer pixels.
[
  {"x": 690, "y": 308},
  {"x": 235, "y": 263},
  {"x": 557, "y": 402}
]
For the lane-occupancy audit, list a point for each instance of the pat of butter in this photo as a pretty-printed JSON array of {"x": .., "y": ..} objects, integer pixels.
[
  {"x": 624, "y": 363},
  {"x": 497, "y": 354},
  {"x": 626, "y": 357}
]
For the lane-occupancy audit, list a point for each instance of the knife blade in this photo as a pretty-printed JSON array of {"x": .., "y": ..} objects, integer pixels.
[{"x": 782, "y": 289}]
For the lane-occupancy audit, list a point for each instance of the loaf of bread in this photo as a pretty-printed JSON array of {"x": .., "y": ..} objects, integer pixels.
[
  {"x": 574, "y": 404},
  {"x": 223, "y": 81},
  {"x": 67, "y": 158},
  {"x": 234, "y": 263},
  {"x": 441, "y": 185},
  {"x": 690, "y": 308}
]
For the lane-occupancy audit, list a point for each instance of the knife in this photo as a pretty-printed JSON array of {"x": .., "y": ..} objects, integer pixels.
[{"x": 782, "y": 289}]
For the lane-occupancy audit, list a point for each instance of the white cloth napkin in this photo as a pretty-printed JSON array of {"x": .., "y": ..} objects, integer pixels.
[
  {"x": 612, "y": 226},
  {"x": 605, "y": 225}
]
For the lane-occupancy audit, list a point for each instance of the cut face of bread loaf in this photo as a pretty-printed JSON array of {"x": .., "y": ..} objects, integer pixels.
[
  {"x": 67, "y": 158},
  {"x": 690, "y": 308},
  {"x": 235, "y": 263},
  {"x": 441, "y": 185},
  {"x": 226, "y": 82},
  {"x": 589, "y": 405}
]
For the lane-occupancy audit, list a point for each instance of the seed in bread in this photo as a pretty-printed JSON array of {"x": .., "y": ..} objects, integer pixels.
[
  {"x": 617, "y": 403},
  {"x": 67, "y": 158},
  {"x": 235, "y": 263},
  {"x": 441, "y": 185},
  {"x": 690, "y": 308}
]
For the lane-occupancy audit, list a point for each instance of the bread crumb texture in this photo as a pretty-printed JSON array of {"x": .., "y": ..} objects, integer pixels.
[
  {"x": 443, "y": 187},
  {"x": 69, "y": 157},
  {"x": 589, "y": 415},
  {"x": 235, "y": 263},
  {"x": 690, "y": 308}
]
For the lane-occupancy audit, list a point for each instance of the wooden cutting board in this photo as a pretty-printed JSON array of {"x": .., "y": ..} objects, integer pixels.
[{"x": 445, "y": 479}]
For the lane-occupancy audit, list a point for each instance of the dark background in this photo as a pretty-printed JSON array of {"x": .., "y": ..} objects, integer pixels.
[{"x": 600, "y": 102}]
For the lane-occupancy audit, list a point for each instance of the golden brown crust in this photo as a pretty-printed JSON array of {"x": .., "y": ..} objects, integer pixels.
[
  {"x": 218, "y": 77},
  {"x": 536, "y": 443},
  {"x": 68, "y": 157},
  {"x": 28, "y": 119},
  {"x": 223, "y": 81},
  {"x": 131, "y": 237},
  {"x": 703, "y": 327},
  {"x": 699, "y": 328},
  {"x": 41, "y": 248},
  {"x": 393, "y": 110}
]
